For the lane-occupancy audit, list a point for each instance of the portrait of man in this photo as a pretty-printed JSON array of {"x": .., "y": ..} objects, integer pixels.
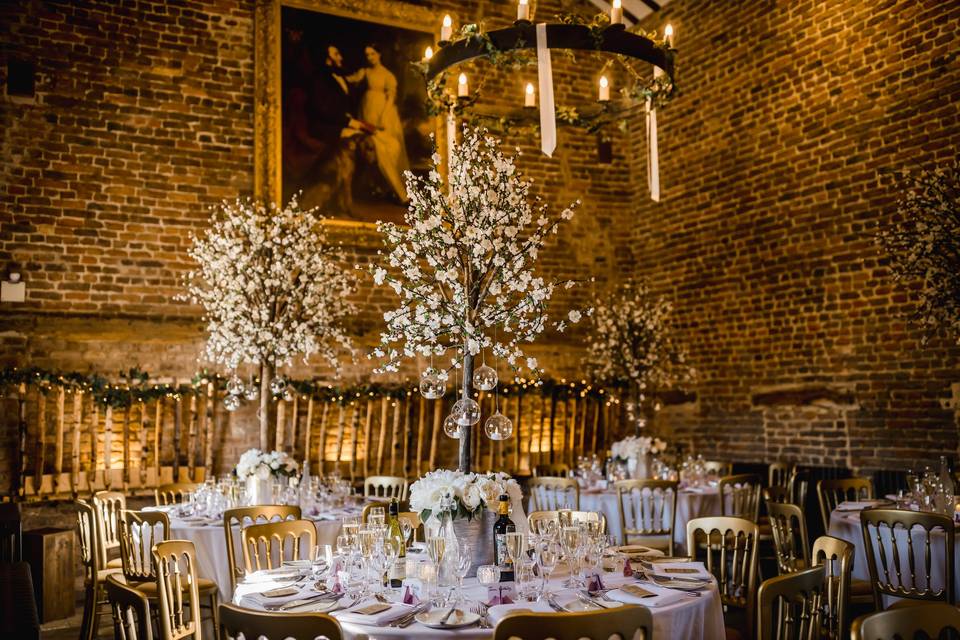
[{"x": 353, "y": 115}]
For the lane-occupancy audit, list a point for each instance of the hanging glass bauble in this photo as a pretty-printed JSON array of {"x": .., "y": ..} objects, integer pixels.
[
  {"x": 234, "y": 386},
  {"x": 451, "y": 427},
  {"x": 431, "y": 386},
  {"x": 498, "y": 426},
  {"x": 231, "y": 402},
  {"x": 288, "y": 394},
  {"x": 252, "y": 392},
  {"x": 278, "y": 385},
  {"x": 466, "y": 411},
  {"x": 485, "y": 378}
]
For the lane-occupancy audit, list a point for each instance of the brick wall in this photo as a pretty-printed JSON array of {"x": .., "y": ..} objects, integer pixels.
[{"x": 776, "y": 174}]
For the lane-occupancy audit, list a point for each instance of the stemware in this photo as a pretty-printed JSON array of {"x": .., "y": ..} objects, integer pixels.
[
  {"x": 526, "y": 578},
  {"x": 406, "y": 530},
  {"x": 436, "y": 545},
  {"x": 516, "y": 546},
  {"x": 464, "y": 562},
  {"x": 571, "y": 538},
  {"x": 376, "y": 517},
  {"x": 489, "y": 575},
  {"x": 548, "y": 555}
]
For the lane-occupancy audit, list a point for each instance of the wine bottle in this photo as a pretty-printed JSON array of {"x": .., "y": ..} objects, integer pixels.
[
  {"x": 501, "y": 528},
  {"x": 395, "y": 537}
]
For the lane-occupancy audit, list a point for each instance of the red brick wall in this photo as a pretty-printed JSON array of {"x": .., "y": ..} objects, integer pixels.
[{"x": 776, "y": 171}]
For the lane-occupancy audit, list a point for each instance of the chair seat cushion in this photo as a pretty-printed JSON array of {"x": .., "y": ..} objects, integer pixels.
[
  {"x": 103, "y": 573},
  {"x": 116, "y": 563},
  {"x": 149, "y": 589},
  {"x": 861, "y": 588},
  {"x": 903, "y": 603}
]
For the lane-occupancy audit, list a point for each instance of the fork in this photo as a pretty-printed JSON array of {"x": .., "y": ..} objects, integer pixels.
[{"x": 482, "y": 610}]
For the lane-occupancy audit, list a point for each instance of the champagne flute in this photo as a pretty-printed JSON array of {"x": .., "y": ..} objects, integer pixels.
[
  {"x": 516, "y": 544},
  {"x": 406, "y": 530},
  {"x": 548, "y": 555},
  {"x": 436, "y": 545},
  {"x": 571, "y": 538},
  {"x": 464, "y": 562}
]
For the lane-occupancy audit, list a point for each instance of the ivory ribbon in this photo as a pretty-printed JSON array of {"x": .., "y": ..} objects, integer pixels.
[
  {"x": 548, "y": 116},
  {"x": 653, "y": 153}
]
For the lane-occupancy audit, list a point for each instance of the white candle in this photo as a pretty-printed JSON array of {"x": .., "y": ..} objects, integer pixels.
[
  {"x": 462, "y": 90},
  {"x": 604, "y": 89},
  {"x": 428, "y": 53},
  {"x": 668, "y": 35},
  {"x": 530, "y": 99},
  {"x": 616, "y": 13},
  {"x": 446, "y": 29},
  {"x": 523, "y": 10}
]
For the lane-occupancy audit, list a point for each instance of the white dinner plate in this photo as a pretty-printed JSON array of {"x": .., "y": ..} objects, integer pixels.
[
  {"x": 460, "y": 618},
  {"x": 579, "y": 605}
]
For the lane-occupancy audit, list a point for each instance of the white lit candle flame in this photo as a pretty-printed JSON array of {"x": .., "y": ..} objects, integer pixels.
[
  {"x": 428, "y": 53},
  {"x": 446, "y": 30},
  {"x": 529, "y": 99},
  {"x": 668, "y": 34},
  {"x": 604, "y": 89}
]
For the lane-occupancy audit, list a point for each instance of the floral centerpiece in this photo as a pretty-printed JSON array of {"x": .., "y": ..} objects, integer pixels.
[
  {"x": 634, "y": 451},
  {"x": 258, "y": 469},
  {"x": 463, "y": 268},
  {"x": 459, "y": 507}
]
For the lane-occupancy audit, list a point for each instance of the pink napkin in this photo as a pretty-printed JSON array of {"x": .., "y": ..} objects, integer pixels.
[
  {"x": 594, "y": 583},
  {"x": 495, "y": 596},
  {"x": 409, "y": 597},
  {"x": 627, "y": 569}
]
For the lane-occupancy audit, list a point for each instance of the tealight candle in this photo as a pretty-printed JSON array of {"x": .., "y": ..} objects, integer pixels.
[
  {"x": 523, "y": 10},
  {"x": 616, "y": 12},
  {"x": 446, "y": 29},
  {"x": 604, "y": 89},
  {"x": 462, "y": 90},
  {"x": 428, "y": 53},
  {"x": 668, "y": 35},
  {"x": 530, "y": 99}
]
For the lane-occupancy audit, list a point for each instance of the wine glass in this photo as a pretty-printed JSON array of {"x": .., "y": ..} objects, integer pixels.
[
  {"x": 515, "y": 543},
  {"x": 436, "y": 545},
  {"x": 377, "y": 517},
  {"x": 406, "y": 530},
  {"x": 571, "y": 538},
  {"x": 548, "y": 555},
  {"x": 526, "y": 579}
]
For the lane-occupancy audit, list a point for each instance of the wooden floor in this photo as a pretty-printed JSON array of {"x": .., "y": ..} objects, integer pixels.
[{"x": 69, "y": 628}]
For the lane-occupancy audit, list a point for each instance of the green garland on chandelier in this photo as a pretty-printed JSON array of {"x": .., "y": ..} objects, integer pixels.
[{"x": 658, "y": 89}]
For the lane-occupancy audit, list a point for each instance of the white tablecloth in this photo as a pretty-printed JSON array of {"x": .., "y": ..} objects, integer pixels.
[
  {"x": 691, "y": 504},
  {"x": 211, "y": 543},
  {"x": 846, "y": 526},
  {"x": 690, "y": 618}
]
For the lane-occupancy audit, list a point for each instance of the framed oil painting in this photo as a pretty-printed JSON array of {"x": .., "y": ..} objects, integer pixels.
[{"x": 341, "y": 112}]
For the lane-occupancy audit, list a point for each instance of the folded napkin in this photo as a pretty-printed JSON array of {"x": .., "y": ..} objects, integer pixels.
[
  {"x": 279, "y": 574},
  {"x": 396, "y": 610},
  {"x": 679, "y": 570},
  {"x": 262, "y": 601},
  {"x": 857, "y": 505},
  {"x": 500, "y": 611},
  {"x": 646, "y": 594}
]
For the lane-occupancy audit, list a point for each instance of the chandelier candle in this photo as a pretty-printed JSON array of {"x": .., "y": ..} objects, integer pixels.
[
  {"x": 604, "y": 95},
  {"x": 668, "y": 35},
  {"x": 529, "y": 98},
  {"x": 446, "y": 29},
  {"x": 616, "y": 13},
  {"x": 463, "y": 90},
  {"x": 428, "y": 53},
  {"x": 523, "y": 10}
]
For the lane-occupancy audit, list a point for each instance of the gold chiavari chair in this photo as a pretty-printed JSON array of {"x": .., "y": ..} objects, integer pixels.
[
  {"x": 548, "y": 494},
  {"x": 623, "y": 623},
  {"x": 740, "y": 496},
  {"x": 176, "y": 562},
  {"x": 836, "y": 558},
  {"x": 779, "y": 474},
  {"x": 790, "y": 540},
  {"x": 131, "y": 611},
  {"x": 235, "y": 622},
  {"x": 385, "y": 487},
  {"x": 777, "y": 494},
  {"x": 94, "y": 573},
  {"x": 790, "y": 607},
  {"x": 730, "y": 549},
  {"x": 911, "y": 576},
  {"x": 555, "y": 470},
  {"x": 830, "y": 493},
  {"x": 109, "y": 505},
  {"x": 648, "y": 512},
  {"x": 139, "y": 532},
  {"x": 263, "y": 542},
  {"x": 243, "y": 516},
  {"x": 798, "y": 486},
  {"x": 566, "y": 516},
  {"x": 717, "y": 467},
  {"x": 174, "y": 492},
  {"x": 907, "y": 623}
]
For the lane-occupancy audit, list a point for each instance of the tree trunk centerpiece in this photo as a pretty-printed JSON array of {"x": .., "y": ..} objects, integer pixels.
[
  {"x": 271, "y": 292},
  {"x": 462, "y": 266}
]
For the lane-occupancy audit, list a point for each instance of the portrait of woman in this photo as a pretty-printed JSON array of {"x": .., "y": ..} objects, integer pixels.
[{"x": 353, "y": 115}]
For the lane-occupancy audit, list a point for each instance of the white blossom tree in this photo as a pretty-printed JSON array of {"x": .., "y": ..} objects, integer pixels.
[
  {"x": 463, "y": 267},
  {"x": 633, "y": 345},
  {"x": 270, "y": 290}
]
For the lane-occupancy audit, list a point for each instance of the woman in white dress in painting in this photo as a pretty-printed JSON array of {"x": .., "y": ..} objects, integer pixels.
[{"x": 378, "y": 106}]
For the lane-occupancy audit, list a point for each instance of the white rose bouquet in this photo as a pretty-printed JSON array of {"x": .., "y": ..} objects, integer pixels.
[
  {"x": 632, "y": 447},
  {"x": 263, "y": 465},
  {"x": 462, "y": 495}
]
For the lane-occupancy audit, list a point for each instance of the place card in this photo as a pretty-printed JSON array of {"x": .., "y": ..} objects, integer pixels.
[
  {"x": 372, "y": 609},
  {"x": 680, "y": 570},
  {"x": 637, "y": 591},
  {"x": 281, "y": 592}
]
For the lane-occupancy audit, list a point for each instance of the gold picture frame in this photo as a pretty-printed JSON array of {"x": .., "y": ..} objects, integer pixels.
[{"x": 268, "y": 43}]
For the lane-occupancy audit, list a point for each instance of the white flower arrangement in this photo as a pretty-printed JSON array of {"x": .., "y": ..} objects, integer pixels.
[
  {"x": 269, "y": 286},
  {"x": 462, "y": 495},
  {"x": 923, "y": 242},
  {"x": 262, "y": 465},
  {"x": 633, "y": 342},
  {"x": 462, "y": 265},
  {"x": 633, "y": 447}
]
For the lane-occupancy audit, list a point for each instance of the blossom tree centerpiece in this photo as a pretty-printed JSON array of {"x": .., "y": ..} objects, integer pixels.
[
  {"x": 633, "y": 345},
  {"x": 463, "y": 269},
  {"x": 271, "y": 291},
  {"x": 923, "y": 242}
]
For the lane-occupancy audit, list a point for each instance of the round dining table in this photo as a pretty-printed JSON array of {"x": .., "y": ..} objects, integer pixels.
[
  {"x": 210, "y": 540},
  {"x": 676, "y": 614},
  {"x": 692, "y": 502}
]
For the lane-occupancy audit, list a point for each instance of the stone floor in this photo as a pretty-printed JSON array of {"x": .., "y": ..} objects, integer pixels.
[{"x": 69, "y": 628}]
